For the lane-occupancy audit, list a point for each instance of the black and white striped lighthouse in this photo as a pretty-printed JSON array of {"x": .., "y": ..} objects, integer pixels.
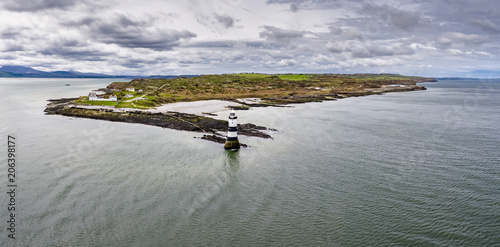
[{"x": 232, "y": 142}]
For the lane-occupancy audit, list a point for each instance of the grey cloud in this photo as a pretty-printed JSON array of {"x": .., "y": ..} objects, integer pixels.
[
  {"x": 485, "y": 9},
  {"x": 34, "y": 6},
  {"x": 129, "y": 33},
  {"x": 74, "y": 49},
  {"x": 87, "y": 21},
  {"x": 18, "y": 32},
  {"x": 230, "y": 44},
  {"x": 470, "y": 39},
  {"x": 18, "y": 39},
  {"x": 213, "y": 44},
  {"x": 297, "y": 5},
  {"x": 14, "y": 48},
  {"x": 335, "y": 48},
  {"x": 164, "y": 40},
  {"x": 73, "y": 53},
  {"x": 12, "y": 33},
  {"x": 484, "y": 14},
  {"x": 255, "y": 44},
  {"x": 405, "y": 20},
  {"x": 278, "y": 34},
  {"x": 376, "y": 33},
  {"x": 279, "y": 56},
  {"x": 7, "y": 57},
  {"x": 379, "y": 51},
  {"x": 444, "y": 42},
  {"x": 225, "y": 20},
  {"x": 485, "y": 25},
  {"x": 365, "y": 49},
  {"x": 282, "y": 63},
  {"x": 346, "y": 32},
  {"x": 188, "y": 61},
  {"x": 134, "y": 63}
]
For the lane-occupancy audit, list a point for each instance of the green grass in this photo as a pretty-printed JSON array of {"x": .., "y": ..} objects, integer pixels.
[
  {"x": 294, "y": 77},
  {"x": 125, "y": 105},
  {"x": 291, "y": 77},
  {"x": 150, "y": 101},
  {"x": 130, "y": 98},
  {"x": 132, "y": 104},
  {"x": 108, "y": 103},
  {"x": 172, "y": 97},
  {"x": 252, "y": 75}
]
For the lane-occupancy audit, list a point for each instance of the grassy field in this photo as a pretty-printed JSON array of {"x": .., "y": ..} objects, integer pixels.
[
  {"x": 295, "y": 77},
  {"x": 84, "y": 100},
  {"x": 250, "y": 85},
  {"x": 251, "y": 75}
]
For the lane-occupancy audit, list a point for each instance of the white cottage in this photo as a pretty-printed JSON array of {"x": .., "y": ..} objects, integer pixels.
[{"x": 93, "y": 96}]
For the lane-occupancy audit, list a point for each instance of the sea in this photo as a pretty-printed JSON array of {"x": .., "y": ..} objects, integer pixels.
[{"x": 417, "y": 168}]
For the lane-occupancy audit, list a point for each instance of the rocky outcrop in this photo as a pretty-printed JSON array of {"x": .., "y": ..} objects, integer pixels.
[
  {"x": 218, "y": 139},
  {"x": 171, "y": 120}
]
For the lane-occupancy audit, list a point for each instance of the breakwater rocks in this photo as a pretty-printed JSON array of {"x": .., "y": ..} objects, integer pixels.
[{"x": 171, "y": 120}]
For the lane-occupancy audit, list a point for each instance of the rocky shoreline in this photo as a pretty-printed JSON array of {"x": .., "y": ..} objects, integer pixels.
[
  {"x": 213, "y": 129},
  {"x": 172, "y": 120},
  {"x": 300, "y": 99}
]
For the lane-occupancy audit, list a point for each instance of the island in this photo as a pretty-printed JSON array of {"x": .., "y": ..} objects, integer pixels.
[{"x": 151, "y": 101}]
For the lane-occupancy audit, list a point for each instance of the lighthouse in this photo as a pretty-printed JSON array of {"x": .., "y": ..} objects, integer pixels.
[{"x": 232, "y": 142}]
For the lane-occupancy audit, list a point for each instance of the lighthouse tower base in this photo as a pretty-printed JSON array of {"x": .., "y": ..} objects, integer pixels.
[{"x": 232, "y": 145}]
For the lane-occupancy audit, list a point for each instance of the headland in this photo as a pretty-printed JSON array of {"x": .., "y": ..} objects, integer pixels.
[{"x": 188, "y": 103}]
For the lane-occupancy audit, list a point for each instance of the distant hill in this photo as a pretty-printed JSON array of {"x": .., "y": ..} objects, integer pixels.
[
  {"x": 22, "y": 71},
  {"x": 28, "y": 72}
]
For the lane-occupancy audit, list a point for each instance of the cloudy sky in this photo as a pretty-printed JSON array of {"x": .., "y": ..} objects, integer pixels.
[{"x": 411, "y": 37}]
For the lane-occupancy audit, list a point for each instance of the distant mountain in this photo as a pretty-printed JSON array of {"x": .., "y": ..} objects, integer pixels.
[
  {"x": 28, "y": 72},
  {"x": 22, "y": 71}
]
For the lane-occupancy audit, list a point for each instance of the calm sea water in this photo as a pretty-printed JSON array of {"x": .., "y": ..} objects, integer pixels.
[{"x": 401, "y": 169}]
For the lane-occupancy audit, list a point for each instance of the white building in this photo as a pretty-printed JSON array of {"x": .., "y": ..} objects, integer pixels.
[
  {"x": 130, "y": 89},
  {"x": 93, "y": 97}
]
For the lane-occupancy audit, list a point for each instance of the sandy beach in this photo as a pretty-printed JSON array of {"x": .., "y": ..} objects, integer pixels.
[{"x": 196, "y": 107}]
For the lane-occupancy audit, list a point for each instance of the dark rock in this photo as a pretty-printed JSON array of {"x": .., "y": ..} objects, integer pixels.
[
  {"x": 218, "y": 139},
  {"x": 171, "y": 120},
  {"x": 214, "y": 138}
]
